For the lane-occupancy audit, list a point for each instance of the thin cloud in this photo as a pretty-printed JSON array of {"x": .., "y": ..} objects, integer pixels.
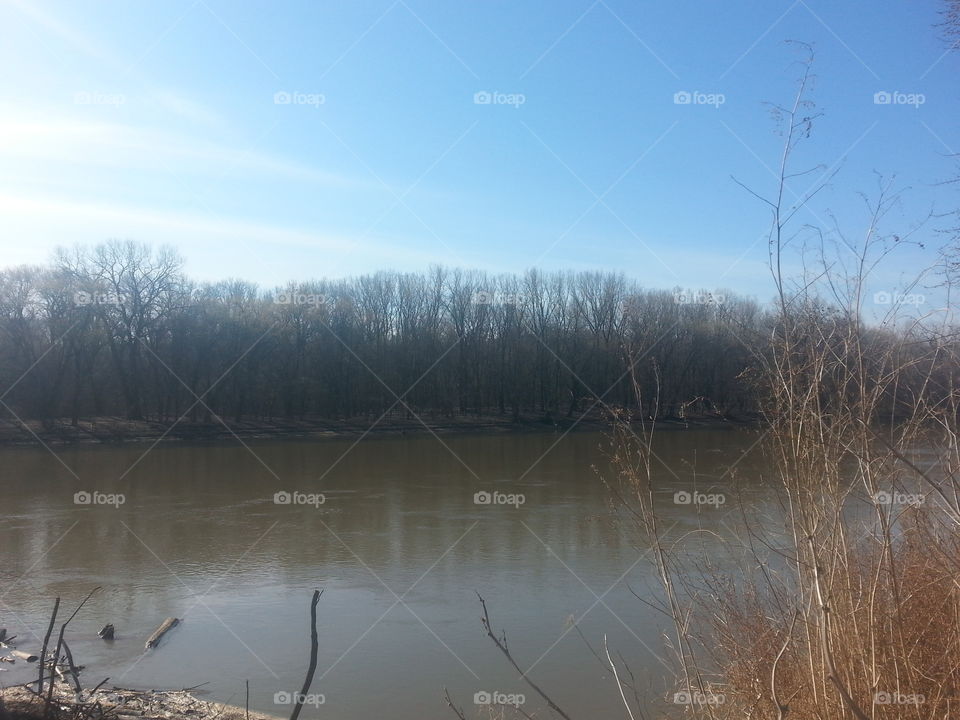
[
  {"x": 125, "y": 146},
  {"x": 69, "y": 35},
  {"x": 46, "y": 216}
]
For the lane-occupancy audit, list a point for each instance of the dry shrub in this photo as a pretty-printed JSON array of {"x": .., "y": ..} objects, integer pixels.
[{"x": 894, "y": 638}]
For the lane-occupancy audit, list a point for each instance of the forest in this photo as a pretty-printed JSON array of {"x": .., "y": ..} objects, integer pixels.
[{"x": 120, "y": 330}]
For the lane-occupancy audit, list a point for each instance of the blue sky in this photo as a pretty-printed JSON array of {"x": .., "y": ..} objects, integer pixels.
[{"x": 160, "y": 122}]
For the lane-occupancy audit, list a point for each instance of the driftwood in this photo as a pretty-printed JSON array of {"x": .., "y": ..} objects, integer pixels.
[
  {"x": 24, "y": 656},
  {"x": 106, "y": 632},
  {"x": 168, "y": 625}
]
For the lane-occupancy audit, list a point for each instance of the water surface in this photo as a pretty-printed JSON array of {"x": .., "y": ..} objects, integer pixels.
[{"x": 399, "y": 546}]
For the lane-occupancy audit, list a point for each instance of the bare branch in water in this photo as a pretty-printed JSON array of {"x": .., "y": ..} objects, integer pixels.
[{"x": 501, "y": 643}]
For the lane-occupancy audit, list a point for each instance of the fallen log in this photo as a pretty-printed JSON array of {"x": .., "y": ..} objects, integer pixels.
[
  {"x": 24, "y": 656},
  {"x": 168, "y": 625}
]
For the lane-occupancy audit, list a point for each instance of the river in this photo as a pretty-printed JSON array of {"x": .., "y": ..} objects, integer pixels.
[{"x": 399, "y": 532}]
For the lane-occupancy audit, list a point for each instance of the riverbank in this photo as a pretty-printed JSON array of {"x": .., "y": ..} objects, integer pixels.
[
  {"x": 18, "y": 703},
  {"x": 116, "y": 430}
]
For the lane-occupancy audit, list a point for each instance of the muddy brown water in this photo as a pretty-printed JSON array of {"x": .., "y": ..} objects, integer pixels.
[{"x": 399, "y": 532}]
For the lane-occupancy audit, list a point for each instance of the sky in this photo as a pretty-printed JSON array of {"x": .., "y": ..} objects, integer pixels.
[{"x": 297, "y": 139}]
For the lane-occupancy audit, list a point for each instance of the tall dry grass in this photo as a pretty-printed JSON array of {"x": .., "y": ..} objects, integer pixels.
[
  {"x": 850, "y": 607},
  {"x": 848, "y": 604}
]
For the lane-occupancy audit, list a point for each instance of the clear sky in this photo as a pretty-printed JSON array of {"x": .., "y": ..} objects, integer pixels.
[{"x": 161, "y": 121}]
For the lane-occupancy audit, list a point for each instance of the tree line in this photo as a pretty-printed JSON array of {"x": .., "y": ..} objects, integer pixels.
[{"x": 118, "y": 329}]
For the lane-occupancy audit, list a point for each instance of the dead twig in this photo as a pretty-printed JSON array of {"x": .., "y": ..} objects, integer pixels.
[
  {"x": 501, "y": 644},
  {"x": 56, "y": 653},
  {"x": 46, "y": 642},
  {"x": 616, "y": 677},
  {"x": 314, "y": 645},
  {"x": 449, "y": 701}
]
